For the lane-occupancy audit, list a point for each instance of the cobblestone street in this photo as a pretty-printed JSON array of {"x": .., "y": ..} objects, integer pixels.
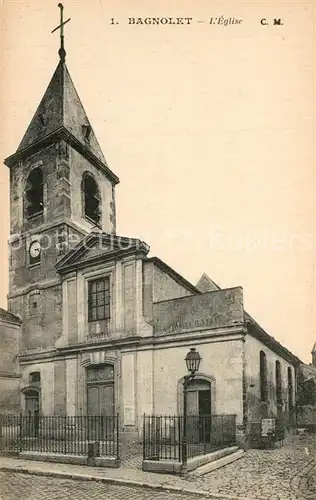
[
  {"x": 287, "y": 473},
  {"x": 15, "y": 486}
]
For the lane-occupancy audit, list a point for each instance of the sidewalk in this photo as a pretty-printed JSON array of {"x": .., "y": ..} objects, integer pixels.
[
  {"x": 286, "y": 473},
  {"x": 122, "y": 476}
]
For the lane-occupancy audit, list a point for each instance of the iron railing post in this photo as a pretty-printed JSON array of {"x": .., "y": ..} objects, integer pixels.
[
  {"x": 184, "y": 447},
  {"x": 158, "y": 445},
  {"x": 204, "y": 433},
  {"x": 118, "y": 458},
  {"x": 179, "y": 437},
  {"x": 65, "y": 435},
  {"x": 21, "y": 432},
  {"x": 144, "y": 436}
]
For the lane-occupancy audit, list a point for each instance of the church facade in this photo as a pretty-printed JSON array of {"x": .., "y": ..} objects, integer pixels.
[{"x": 104, "y": 327}]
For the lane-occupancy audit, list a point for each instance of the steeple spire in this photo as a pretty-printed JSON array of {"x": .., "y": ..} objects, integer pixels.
[
  {"x": 61, "y": 116},
  {"x": 61, "y": 52}
]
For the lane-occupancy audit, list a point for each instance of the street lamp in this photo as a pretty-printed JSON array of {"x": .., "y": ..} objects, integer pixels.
[{"x": 192, "y": 360}]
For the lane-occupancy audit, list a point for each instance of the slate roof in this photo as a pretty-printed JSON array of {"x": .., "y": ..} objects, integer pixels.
[
  {"x": 61, "y": 112},
  {"x": 61, "y": 107}
]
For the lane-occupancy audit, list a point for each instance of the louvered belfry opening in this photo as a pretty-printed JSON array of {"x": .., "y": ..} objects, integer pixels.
[
  {"x": 34, "y": 192},
  {"x": 91, "y": 199}
]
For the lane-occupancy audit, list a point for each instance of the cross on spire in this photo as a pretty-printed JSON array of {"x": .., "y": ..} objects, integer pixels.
[{"x": 61, "y": 52}]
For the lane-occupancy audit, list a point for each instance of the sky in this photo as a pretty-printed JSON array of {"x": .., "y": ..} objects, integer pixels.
[{"x": 210, "y": 128}]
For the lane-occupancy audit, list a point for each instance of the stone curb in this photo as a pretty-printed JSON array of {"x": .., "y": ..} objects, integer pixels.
[{"x": 118, "y": 481}]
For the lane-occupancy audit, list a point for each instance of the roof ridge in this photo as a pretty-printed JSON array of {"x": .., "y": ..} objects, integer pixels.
[{"x": 9, "y": 316}]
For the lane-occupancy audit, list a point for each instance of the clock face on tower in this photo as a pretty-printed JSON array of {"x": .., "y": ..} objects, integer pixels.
[{"x": 35, "y": 252}]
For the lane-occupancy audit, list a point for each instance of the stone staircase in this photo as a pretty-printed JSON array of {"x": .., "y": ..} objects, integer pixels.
[{"x": 219, "y": 459}]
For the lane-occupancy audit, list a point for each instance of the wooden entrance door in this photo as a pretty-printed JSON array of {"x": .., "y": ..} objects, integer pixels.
[
  {"x": 31, "y": 421},
  {"x": 205, "y": 415},
  {"x": 199, "y": 411},
  {"x": 101, "y": 401},
  {"x": 192, "y": 416},
  {"x": 31, "y": 402}
]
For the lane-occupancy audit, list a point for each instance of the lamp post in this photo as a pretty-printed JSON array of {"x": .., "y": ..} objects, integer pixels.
[{"x": 192, "y": 360}]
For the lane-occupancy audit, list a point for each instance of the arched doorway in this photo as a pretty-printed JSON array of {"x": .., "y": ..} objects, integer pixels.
[
  {"x": 101, "y": 400},
  {"x": 100, "y": 389},
  {"x": 199, "y": 410},
  {"x": 199, "y": 397},
  {"x": 32, "y": 406}
]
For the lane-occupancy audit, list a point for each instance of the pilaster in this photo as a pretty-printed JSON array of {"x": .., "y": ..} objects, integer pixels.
[
  {"x": 142, "y": 328},
  {"x": 118, "y": 298}
]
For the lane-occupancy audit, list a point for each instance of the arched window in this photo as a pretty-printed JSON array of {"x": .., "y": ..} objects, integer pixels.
[
  {"x": 278, "y": 382},
  {"x": 263, "y": 377},
  {"x": 290, "y": 387},
  {"x": 34, "y": 192},
  {"x": 91, "y": 198}
]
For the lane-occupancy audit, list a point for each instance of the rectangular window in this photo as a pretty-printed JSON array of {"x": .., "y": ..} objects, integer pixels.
[{"x": 99, "y": 299}]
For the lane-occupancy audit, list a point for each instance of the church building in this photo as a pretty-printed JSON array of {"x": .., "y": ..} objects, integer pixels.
[{"x": 99, "y": 327}]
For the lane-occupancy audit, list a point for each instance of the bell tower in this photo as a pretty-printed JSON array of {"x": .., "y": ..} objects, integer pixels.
[{"x": 61, "y": 188}]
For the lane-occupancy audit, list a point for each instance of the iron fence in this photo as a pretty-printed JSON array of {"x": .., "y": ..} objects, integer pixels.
[
  {"x": 162, "y": 435},
  {"x": 67, "y": 435}
]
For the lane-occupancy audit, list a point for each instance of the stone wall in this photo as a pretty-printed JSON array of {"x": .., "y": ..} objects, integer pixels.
[
  {"x": 41, "y": 309},
  {"x": 255, "y": 409},
  {"x": 157, "y": 286},
  {"x": 165, "y": 287},
  {"x": 9, "y": 366},
  {"x": 9, "y": 394},
  {"x": 306, "y": 417},
  {"x": 222, "y": 308},
  {"x": 159, "y": 376}
]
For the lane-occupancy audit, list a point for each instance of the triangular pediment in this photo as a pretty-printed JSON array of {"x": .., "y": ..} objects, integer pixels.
[
  {"x": 59, "y": 108},
  {"x": 205, "y": 284},
  {"x": 100, "y": 247}
]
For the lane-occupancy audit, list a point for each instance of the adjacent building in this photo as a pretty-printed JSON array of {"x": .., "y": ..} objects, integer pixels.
[{"x": 10, "y": 333}]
